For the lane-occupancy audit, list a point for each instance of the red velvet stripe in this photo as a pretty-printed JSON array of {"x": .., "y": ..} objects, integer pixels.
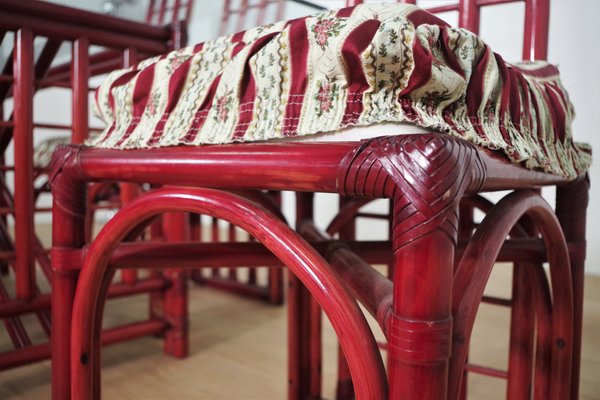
[
  {"x": 122, "y": 80},
  {"x": 423, "y": 63},
  {"x": 505, "y": 97},
  {"x": 176, "y": 84},
  {"x": 298, "y": 37},
  {"x": 202, "y": 112},
  {"x": 515, "y": 101},
  {"x": 475, "y": 91},
  {"x": 546, "y": 71},
  {"x": 557, "y": 111},
  {"x": 525, "y": 118},
  {"x": 540, "y": 134},
  {"x": 561, "y": 93},
  {"x": 141, "y": 94},
  {"x": 248, "y": 88},
  {"x": 345, "y": 12},
  {"x": 419, "y": 17},
  {"x": 353, "y": 47},
  {"x": 238, "y": 37},
  {"x": 142, "y": 90},
  {"x": 422, "y": 70},
  {"x": 449, "y": 55}
]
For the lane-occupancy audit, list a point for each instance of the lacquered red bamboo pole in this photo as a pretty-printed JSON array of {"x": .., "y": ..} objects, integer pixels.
[
  {"x": 521, "y": 347},
  {"x": 176, "y": 228},
  {"x": 466, "y": 225},
  {"x": 161, "y": 12},
  {"x": 23, "y": 151},
  {"x": 214, "y": 232},
  {"x": 129, "y": 191},
  {"x": 150, "y": 12},
  {"x": 80, "y": 76},
  {"x": 242, "y": 11},
  {"x": 231, "y": 236},
  {"x": 68, "y": 233},
  {"x": 262, "y": 9},
  {"x": 175, "y": 11},
  {"x": 344, "y": 388},
  {"x": 522, "y": 328},
  {"x": 420, "y": 326},
  {"x": 3, "y": 218},
  {"x": 300, "y": 321},
  {"x": 189, "y": 8},
  {"x": 280, "y": 10},
  {"x": 537, "y": 22},
  {"x": 276, "y": 279},
  {"x": 157, "y": 297},
  {"x": 571, "y": 209},
  {"x": 14, "y": 326},
  {"x": 468, "y": 15}
]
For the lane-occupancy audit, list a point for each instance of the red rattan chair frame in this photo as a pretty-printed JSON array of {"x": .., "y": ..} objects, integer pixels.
[
  {"x": 418, "y": 322},
  {"x": 20, "y": 78}
]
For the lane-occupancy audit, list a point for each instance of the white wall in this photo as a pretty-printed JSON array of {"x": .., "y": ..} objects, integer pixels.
[{"x": 574, "y": 38}]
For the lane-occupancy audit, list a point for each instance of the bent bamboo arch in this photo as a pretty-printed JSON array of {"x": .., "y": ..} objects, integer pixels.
[
  {"x": 357, "y": 340},
  {"x": 474, "y": 270}
]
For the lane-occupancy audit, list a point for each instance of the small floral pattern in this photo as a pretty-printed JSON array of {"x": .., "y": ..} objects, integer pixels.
[
  {"x": 323, "y": 97},
  {"x": 223, "y": 107},
  {"x": 326, "y": 97},
  {"x": 326, "y": 28}
]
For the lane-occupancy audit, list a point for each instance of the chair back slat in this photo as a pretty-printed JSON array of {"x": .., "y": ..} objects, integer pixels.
[
  {"x": 165, "y": 11},
  {"x": 242, "y": 11}
]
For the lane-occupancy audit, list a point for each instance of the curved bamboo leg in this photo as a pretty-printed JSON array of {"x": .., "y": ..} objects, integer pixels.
[
  {"x": 476, "y": 265},
  {"x": 347, "y": 319},
  {"x": 571, "y": 209}
]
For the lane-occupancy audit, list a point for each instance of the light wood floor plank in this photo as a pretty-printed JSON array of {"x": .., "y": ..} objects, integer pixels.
[{"x": 238, "y": 352}]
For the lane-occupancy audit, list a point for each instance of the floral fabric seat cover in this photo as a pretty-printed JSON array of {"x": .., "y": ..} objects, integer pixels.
[{"x": 357, "y": 66}]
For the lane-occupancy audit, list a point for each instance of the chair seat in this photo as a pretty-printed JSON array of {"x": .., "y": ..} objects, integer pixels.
[{"x": 358, "y": 66}]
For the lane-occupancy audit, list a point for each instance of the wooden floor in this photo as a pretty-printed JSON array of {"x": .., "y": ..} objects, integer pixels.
[{"x": 238, "y": 352}]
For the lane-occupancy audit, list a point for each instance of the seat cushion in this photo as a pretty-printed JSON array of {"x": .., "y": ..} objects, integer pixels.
[
  {"x": 42, "y": 153},
  {"x": 358, "y": 66}
]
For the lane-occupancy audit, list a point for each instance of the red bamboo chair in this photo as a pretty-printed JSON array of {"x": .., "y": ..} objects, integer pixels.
[
  {"x": 428, "y": 307},
  {"x": 534, "y": 48},
  {"x": 265, "y": 283},
  {"x": 23, "y": 75}
]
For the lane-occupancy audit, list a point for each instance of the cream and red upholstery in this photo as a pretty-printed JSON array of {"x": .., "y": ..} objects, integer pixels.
[
  {"x": 358, "y": 66},
  {"x": 334, "y": 71}
]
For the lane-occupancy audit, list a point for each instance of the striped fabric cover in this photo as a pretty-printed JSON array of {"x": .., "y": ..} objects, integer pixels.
[{"x": 356, "y": 66}]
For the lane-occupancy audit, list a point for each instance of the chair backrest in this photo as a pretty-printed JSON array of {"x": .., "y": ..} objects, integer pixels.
[
  {"x": 162, "y": 12},
  {"x": 537, "y": 21},
  {"x": 241, "y": 9}
]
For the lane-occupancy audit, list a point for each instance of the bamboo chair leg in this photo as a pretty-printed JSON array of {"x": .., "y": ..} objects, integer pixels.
[{"x": 571, "y": 209}]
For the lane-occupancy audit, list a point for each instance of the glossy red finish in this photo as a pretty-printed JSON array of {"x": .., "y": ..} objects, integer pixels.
[
  {"x": 52, "y": 25},
  {"x": 80, "y": 76},
  {"x": 241, "y": 9},
  {"x": 176, "y": 228},
  {"x": 427, "y": 294},
  {"x": 469, "y": 286},
  {"x": 571, "y": 204},
  {"x": 301, "y": 259}
]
